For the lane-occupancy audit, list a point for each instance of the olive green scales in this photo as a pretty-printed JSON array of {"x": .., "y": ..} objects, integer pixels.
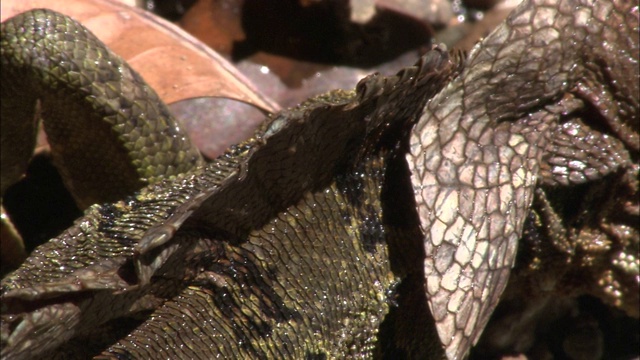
[{"x": 345, "y": 226}]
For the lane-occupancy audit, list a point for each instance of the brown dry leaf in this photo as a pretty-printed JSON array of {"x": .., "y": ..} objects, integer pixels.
[
  {"x": 174, "y": 63},
  {"x": 293, "y": 50}
]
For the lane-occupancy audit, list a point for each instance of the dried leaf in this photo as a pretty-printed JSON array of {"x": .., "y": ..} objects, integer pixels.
[{"x": 152, "y": 46}]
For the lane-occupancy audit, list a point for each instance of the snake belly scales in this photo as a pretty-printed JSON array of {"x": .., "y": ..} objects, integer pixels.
[{"x": 379, "y": 222}]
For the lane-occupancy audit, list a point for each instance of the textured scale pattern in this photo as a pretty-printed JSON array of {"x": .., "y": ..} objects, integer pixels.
[
  {"x": 97, "y": 256},
  {"x": 576, "y": 162},
  {"x": 349, "y": 224},
  {"x": 244, "y": 295},
  {"x": 111, "y": 117},
  {"x": 477, "y": 148},
  {"x": 222, "y": 234}
]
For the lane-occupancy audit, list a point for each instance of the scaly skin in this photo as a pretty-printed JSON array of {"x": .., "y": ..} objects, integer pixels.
[
  {"x": 224, "y": 235},
  {"x": 477, "y": 149},
  {"x": 110, "y": 134},
  {"x": 383, "y": 222},
  {"x": 97, "y": 109}
]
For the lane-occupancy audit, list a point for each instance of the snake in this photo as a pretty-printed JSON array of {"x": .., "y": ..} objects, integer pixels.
[{"x": 474, "y": 142}]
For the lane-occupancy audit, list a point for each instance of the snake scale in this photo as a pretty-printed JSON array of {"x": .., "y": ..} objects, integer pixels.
[{"x": 379, "y": 222}]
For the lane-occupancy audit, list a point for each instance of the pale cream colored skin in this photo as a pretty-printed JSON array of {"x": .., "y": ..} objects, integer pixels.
[
  {"x": 475, "y": 156},
  {"x": 476, "y": 150}
]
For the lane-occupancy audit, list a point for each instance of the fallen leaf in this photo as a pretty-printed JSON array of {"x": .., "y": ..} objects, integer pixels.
[{"x": 173, "y": 62}]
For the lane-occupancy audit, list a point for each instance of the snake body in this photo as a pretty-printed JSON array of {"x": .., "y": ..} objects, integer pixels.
[
  {"x": 98, "y": 111},
  {"x": 380, "y": 222}
]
